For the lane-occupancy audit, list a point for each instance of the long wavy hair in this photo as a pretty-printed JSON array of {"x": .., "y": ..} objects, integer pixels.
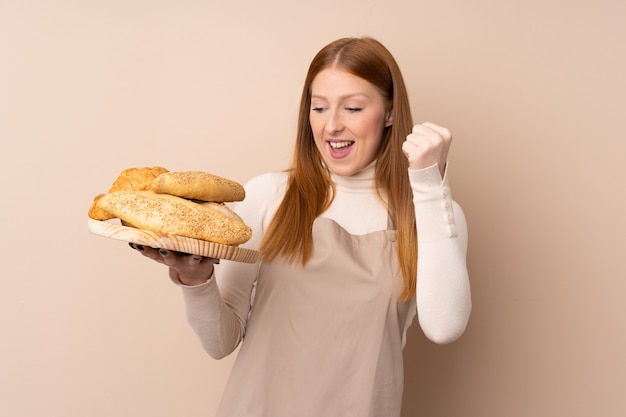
[{"x": 310, "y": 189}]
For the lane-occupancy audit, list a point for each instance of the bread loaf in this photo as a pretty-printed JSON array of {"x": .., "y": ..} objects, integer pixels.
[
  {"x": 131, "y": 179},
  {"x": 97, "y": 213},
  {"x": 198, "y": 185},
  {"x": 168, "y": 214}
]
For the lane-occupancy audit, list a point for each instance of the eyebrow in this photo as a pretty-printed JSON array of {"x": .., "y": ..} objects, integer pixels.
[{"x": 342, "y": 97}]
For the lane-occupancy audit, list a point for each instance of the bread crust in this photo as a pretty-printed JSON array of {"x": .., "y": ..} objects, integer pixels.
[
  {"x": 131, "y": 179},
  {"x": 137, "y": 179},
  {"x": 96, "y": 212},
  {"x": 198, "y": 185},
  {"x": 168, "y": 214}
]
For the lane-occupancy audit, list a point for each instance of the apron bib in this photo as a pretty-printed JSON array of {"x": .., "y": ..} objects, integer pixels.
[{"x": 325, "y": 340}]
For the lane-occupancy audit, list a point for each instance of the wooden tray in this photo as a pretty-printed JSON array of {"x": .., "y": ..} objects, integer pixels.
[{"x": 172, "y": 242}]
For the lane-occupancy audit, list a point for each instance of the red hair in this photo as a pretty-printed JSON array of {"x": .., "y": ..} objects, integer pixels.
[{"x": 310, "y": 190}]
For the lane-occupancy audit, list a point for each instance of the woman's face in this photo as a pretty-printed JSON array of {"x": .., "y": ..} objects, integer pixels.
[{"x": 348, "y": 115}]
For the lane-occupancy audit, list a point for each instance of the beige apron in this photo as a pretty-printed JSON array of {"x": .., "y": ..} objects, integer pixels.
[{"x": 325, "y": 340}]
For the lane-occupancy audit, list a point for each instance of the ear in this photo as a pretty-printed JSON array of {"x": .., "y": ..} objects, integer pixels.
[{"x": 388, "y": 118}]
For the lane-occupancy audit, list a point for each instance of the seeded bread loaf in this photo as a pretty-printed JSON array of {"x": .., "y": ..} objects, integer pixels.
[
  {"x": 168, "y": 214},
  {"x": 131, "y": 179}
]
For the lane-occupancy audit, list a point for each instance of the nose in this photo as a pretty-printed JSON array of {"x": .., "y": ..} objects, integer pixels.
[{"x": 334, "y": 122}]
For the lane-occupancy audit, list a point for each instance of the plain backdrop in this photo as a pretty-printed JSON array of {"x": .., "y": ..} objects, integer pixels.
[{"x": 533, "y": 92}]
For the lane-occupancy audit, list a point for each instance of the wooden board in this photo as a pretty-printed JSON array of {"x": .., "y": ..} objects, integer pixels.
[{"x": 171, "y": 242}]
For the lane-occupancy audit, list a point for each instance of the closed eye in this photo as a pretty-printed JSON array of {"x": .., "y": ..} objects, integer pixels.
[{"x": 354, "y": 109}]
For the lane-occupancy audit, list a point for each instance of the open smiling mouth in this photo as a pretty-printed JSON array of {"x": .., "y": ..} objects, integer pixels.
[
  {"x": 341, "y": 145},
  {"x": 340, "y": 148}
]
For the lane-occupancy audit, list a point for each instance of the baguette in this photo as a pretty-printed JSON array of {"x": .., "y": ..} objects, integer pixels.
[
  {"x": 198, "y": 185},
  {"x": 168, "y": 214}
]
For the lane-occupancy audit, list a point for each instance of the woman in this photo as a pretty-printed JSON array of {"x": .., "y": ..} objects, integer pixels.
[{"x": 357, "y": 237}]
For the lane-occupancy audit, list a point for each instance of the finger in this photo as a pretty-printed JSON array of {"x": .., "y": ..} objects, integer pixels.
[
  {"x": 137, "y": 247},
  {"x": 417, "y": 155},
  {"x": 440, "y": 130},
  {"x": 421, "y": 129},
  {"x": 421, "y": 141},
  {"x": 409, "y": 147},
  {"x": 145, "y": 250},
  {"x": 421, "y": 133},
  {"x": 197, "y": 259},
  {"x": 169, "y": 257}
]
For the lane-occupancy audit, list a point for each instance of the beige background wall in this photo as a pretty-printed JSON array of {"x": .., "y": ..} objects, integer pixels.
[{"x": 533, "y": 91}]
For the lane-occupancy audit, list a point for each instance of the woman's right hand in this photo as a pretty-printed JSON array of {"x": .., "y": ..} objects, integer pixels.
[{"x": 184, "y": 268}]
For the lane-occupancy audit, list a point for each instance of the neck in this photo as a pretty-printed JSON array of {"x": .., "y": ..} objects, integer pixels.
[{"x": 363, "y": 179}]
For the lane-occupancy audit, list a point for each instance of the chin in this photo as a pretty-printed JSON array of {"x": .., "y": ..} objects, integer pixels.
[{"x": 343, "y": 171}]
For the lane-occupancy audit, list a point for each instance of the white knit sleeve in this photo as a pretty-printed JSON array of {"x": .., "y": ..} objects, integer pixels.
[
  {"x": 443, "y": 290},
  {"x": 218, "y": 310}
]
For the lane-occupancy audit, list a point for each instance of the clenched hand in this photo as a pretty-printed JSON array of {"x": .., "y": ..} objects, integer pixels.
[{"x": 427, "y": 145}]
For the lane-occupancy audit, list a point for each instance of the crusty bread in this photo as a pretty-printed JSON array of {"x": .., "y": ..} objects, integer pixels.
[
  {"x": 168, "y": 214},
  {"x": 198, "y": 185},
  {"x": 137, "y": 179},
  {"x": 131, "y": 179},
  {"x": 96, "y": 212}
]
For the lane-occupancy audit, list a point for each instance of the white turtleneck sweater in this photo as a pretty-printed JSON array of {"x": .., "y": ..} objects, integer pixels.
[{"x": 218, "y": 309}]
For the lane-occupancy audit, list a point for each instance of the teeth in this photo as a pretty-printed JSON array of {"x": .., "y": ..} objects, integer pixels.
[{"x": 339, "y": 145}]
